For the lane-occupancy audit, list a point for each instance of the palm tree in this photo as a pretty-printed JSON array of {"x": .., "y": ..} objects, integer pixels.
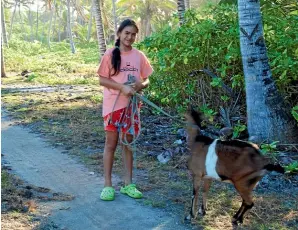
[
  {"x": 115, "y": 17},
  {"x": 4, "y": 33},
  {"x": 12, "y": 19},
  {"x": 181, "y": 11},
  {"x": 3, "y": 74},
  {"x": 90, "y": 22},
  {"x": 99, "y": 27},
  {"x": 72, "y": 45},
  {"x": 52, "y": 8},
  {"x": 268, "y": 117},
  {"x": 187, "y": 4}
]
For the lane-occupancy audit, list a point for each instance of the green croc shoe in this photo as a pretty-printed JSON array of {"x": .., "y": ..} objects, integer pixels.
[
  {"x": 131, "y": 191},
  {"x": 107, "y": 194}
]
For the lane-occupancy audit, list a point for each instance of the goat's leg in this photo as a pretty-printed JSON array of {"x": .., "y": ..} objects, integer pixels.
[
  {"x": 194, "y": 199},
  {"x": 245, "y": 189},
  {"x": 206, "y": 187},
  {"x": 238, "y": 214},
  {"x": 246, "y": 205}
]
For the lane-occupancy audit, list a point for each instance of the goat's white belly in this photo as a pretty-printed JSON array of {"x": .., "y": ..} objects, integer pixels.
[{"x": 211, "y": 160}]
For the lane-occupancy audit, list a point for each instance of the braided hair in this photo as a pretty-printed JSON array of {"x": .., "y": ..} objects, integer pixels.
[{"x": 116, "y": 57}]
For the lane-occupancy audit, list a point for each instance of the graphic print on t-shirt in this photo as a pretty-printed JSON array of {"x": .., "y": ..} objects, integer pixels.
[{"x": 129, "y": 68}]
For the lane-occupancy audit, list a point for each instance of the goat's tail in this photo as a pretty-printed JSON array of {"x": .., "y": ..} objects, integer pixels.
[{"x": 275, "y": 167}]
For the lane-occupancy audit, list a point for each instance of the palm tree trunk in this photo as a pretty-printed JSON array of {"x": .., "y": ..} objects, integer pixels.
[
  {"x": 72, "y": 45},
  {"x": 99, "y": 28},
  {"x": 21, "y": 22},
  {"x": 90, "y": 22},
  {"x": 4, "y": 33},
  {"x": 3, "y": 74},
  {"x": 55, "y": 20},
  {"x": 148, "y": 27},
  {"x": 60, "y": 24},
  {"x": 181, "y": 11},
  {"x": 31, "y": 25},
  {"x": 12, "y": 19},
  {"x": 115, "y": 18},
  {"x": 37, "y": 21},
  {"x": 50, "y": 26},
  {"x": 268, "y": 118},
  {"x": 187, "y": 4}
]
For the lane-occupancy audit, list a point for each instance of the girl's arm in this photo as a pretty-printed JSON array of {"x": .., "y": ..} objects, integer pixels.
[
  {"x": 141, "y": 85},
  {"x": 111, "y": 84}
]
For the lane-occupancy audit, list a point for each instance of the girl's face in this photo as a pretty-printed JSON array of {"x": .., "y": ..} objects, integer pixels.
[{"x": 128, "y": 36}]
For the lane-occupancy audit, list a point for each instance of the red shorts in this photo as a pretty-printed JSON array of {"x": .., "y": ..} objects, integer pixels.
[{"x": 120, "y": 121}]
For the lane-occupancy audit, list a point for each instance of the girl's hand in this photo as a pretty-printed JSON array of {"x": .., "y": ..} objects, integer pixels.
[
  {"x": 127, "y": 90},
  {"x": 137, "y": 86}
]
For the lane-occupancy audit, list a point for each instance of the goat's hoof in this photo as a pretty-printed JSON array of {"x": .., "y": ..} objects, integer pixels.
[
  {"x": 235, "y": 222},
  {"x": 190, "y": 220},
  {"x": 202, "y": 212},
  {"x": 187, "y": 219}
]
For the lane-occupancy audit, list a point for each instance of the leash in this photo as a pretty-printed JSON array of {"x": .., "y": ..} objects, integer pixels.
[{"x": 133, "y": 110}]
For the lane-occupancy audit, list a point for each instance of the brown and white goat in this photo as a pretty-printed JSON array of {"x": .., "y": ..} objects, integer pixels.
[{"x": 235, "y": 161}]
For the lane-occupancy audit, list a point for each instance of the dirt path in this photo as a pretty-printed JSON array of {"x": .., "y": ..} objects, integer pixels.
[{"x": 40, "y": 164}]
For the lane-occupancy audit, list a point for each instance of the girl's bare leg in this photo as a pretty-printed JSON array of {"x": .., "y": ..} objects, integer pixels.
[
  {"x": 127, "y": 160},
  {"x": 108, "y": 157}
]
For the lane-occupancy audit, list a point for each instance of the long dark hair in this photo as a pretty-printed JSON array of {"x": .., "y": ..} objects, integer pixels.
[{"x": 116, "y": 57}]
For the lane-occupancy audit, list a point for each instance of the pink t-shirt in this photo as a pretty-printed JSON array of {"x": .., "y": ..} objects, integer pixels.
[{"x": 133, "y": 62}]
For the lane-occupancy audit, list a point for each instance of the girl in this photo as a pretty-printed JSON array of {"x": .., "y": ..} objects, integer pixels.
[{"x": 118, "y": 65}]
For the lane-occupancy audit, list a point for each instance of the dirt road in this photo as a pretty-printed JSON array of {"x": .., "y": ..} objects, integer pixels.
[{"x": 36, "y": 162}]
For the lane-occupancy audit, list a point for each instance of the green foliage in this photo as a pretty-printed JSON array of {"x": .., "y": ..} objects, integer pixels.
[
  {"x": 31, "y": 77},
  {"x": 269, "y": 148},
  {"x": 210, "y": 39},
  {"x": 238, "y": 129},
  {"x": 295, "y": 112},
  {"x": 208, "y": 113},
  {"x": 216, "y": 82},
  {"x": 292, "y": 167},
  {"x": 96, "y": 99}
]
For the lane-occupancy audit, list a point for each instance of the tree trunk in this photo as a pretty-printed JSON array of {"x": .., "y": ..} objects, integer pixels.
[
  {"x": 3, "y": 74},
  {"x": 4, "y": 33},
  {"x": 31, "y": 25},
  {"x": 22, "y": 24},
  {"x": 268, "y": 118},
  {"x": 115, "y": 18},
  {"x": 148, "y": 27},
  {"x": 50, "y": 26},
  {"x": 72, "y": 45},
  {"x": 90, "y": 22},
  {"x": 99, "y": 28},
  {"x": 12, "y": 19},
  {"x": 37, "y": 21},
  {"x": 54, "y": 23},
  {"x": 60, "y": 24},
  {"x": 181, "y": 11},
  {"x": 187, "y": 4},
  {"x": 148, "y": 21}
]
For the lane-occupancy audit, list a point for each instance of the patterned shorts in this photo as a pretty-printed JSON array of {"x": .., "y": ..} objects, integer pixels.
[{"x": 120, "y": 121}]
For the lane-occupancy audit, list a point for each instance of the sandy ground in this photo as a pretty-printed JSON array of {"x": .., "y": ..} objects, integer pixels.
[{"x": 33, "y": 160}]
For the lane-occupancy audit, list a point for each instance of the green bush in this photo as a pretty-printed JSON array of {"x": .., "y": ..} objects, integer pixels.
[{"x": 210, "y": 39}]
